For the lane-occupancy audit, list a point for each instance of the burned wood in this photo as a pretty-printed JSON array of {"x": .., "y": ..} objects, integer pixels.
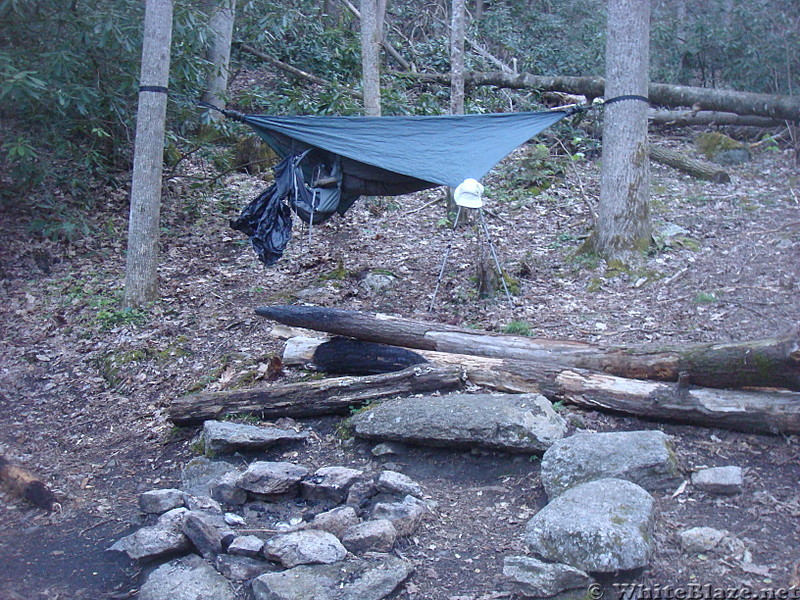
[
  {"x": 312, "y": 398},
  {"x": 753, "y": 363}
]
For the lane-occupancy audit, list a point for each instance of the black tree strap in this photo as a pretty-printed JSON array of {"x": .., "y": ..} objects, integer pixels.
[
  {"x": 159, "y": 89},
  {"x": 234, "y": 115},
  {"x": 626, "y": 97}
]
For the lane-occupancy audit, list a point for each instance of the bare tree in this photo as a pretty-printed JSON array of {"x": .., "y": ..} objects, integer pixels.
[
  {"x": 623, "y": 224},
  {"x": 372, "y": 13},
  {"x": 457, "y": 35},
  {"x": 220, "y": 25},
  {"x": 141, "y": 271}
]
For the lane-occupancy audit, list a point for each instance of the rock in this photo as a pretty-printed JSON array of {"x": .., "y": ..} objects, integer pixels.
[
  {"x": 242, "y": 568},
  {"x": 361, "y": 492},
  {"x": 719, "y": 480},
  {"x": 246, "y": 545},
  {"x": 223, "y": 437},
  {"x": 205, "y": 503},
  {"x": 722, "y": 149},
  {"x": 201, "y": 529},
  {"x": 398, "y": 484},
  {"x": 304, "y": 547},
  {"x": 162, "y": 539},
  {"x": 226, "y": 491},
  {"x": 389, "y": 449},
  {"x": 599, "y": 526},
  {"x": 701, "y": 539},
  {"x": 160, "y": 501},
  {"x": 405, "y": 515},
  {"x": 371, "y": 578},
  {"x": 186, "y": 578},
  {"x": 378, "y": 281},
  {"x": 329, "y": 483},
  {"x": 201, "y": 473},
  {"x": 643, "y": 457},
  {"x": 528, "y": 576},
  {"x": 234, "y": 520},
  {"x": 271, "y": 478},
  {"x": 371, "y": 536},
  {"x": 513, "y": 422},
  {"x": 335, "y": 521}
]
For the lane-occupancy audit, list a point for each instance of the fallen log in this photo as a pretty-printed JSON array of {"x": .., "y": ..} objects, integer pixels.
[
  {"x": 755, "y": 363},
  {"x": 314, "y": 398},
  {"x": 696, "y": 168},
  {"x": 763, "y": 412},
  {"x": 690, "y": 118},
  {"x": 664, "y": 94},
  {"x": 25, "y": 485}
]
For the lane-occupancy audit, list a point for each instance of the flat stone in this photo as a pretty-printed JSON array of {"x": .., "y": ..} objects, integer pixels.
[
  {"x": 271, "y": 478},
  {"x": 199, "y": 474},
  {"x": 385, "y": 449},
  {"x": 405, "y": 516},
  {"x": 368, "y": 578},
  {"x": 186, "y": 578},
  {"x": 226, "y": 491},
  {"x": 204, "y": 503},
  {"x": 378, "y": 535},
  {"x": 306, "y": 547},
  {"x": 160, "y": 501},
  {"x": 719, "y": 480},
  {"x": 329, "y": 483},
  {"x": 599, "y": 526},
  {"x": 162, "y": 539},
  {"x": 202, "y": 529},
  {"x": 511, "y": 422},
  {"x": 335, "y": 521},
  {"x": 246, "y": 545},
  {"x": 224, "y": 437},
  {"x": 242, "y": 568},
  {"x": 398, "y": 484},
  {"x": 701, "y": 539},
  {"x": 529, "y": 576},
  {"x": 644, "y": 457}
]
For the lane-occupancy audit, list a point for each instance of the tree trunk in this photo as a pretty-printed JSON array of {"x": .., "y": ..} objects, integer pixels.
[
  {"x": 684, "y": 118},
  {"x": 755, "y": 363},
  {"x": 219, "y": 54},
  {"x": 741, "y": 103},
  {"x": 321, "y": 397},
  {"x": 623, "y": 229},
  {"x": 370, "y": 58},
  {"x": 457, "y": 35},
  {"x": 696, "y": 168},
  {"x": 384, "y": 42},
  {"x": 141, "y": 270},
  {"x": 767, "y": 412}
]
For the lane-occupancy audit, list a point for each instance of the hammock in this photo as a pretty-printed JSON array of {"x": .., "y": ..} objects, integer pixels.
[{"x": 330, "y": 161}]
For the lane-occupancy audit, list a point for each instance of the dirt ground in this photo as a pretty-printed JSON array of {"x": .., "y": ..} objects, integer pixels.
[{"x": 84, "y": 385}]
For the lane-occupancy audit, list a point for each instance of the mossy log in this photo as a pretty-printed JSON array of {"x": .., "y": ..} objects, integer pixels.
[
  {"x": 313, "y": 398},
  {"x": 773, "y": 362},
  {"x": 751, "y": 411},
  {"x": 696, "y": 168}
]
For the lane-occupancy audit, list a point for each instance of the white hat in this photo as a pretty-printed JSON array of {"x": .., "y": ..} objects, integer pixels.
[{"x": 468, "y": 193}]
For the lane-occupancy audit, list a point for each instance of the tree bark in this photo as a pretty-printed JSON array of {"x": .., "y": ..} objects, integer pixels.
[
  {"x": 370, "y": 57},
  {"x": 313, "y": 398},
  {"x": 755, "y": 363},
  {"x": 624, "y": 230},
  {"x": 219, "y": 54},
  {"x": 141, "y": 269},
  {"x": 683, "y": 118},
  {"x": 696, "y": 168},
  {"x": 457, "y": 35},
  {"x": 664, "y": 94},
  {"x": 384, "y": 42},
  {"x": 765, "y": 412}
]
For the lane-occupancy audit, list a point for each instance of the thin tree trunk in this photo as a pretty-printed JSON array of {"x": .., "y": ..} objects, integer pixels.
[
  {"x": 141, "y": 271},
  {"x": 457, "y": 35},
  {"x": 370, "y": 58},
  {"x": 623, "y": 225},
  {"x": 219, "y": 54}
]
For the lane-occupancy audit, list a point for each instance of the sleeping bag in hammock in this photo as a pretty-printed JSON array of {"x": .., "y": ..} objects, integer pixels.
[{"x": 328, "y": 162}]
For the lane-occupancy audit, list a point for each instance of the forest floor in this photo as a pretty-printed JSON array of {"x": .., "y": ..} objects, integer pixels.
[{"x": 84, "y": 384}]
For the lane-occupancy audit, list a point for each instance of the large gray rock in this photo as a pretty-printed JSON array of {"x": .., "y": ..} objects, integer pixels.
[
  {"x": 223, "y": 437},
  {"x": 186, "y": 578},
  {"x": 529, "y": 576},
  {"x": 643, "y": 457},
  {"x": 160, "y": 501},
  {"x": 201, "y": 473},
  {"x": 242, "y": 568},
  {"x": 378, "y": 535},
  {"x": 371, "y": 578},
  {"x": 164, "y": 538},
  {"x": 204, "y": 530},
  {"x": 271, "y": 478},
  {"x": 306, "y": 547},
  {"x": 513, "y": 422},
  {"x": 329, "y": 483},
  {"x": 600, "y": 526},
  {"x": 335, "y": 521},
  {"x": 405, "y": 516},
  {"x": 226, "y": 491},
  {"x": 398, "y": 484}
]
